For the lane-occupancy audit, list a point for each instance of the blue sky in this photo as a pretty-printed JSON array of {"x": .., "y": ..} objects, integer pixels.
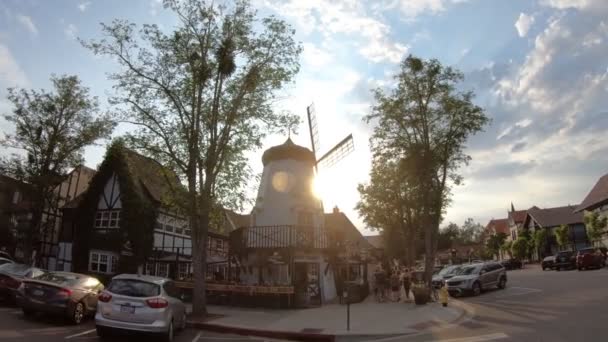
[{"x": 539, "y": 68}]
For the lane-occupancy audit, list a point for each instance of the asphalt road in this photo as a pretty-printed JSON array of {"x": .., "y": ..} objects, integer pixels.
[
  {"x": 14, "y": 327},
  {"x": 536, "y": 306}
]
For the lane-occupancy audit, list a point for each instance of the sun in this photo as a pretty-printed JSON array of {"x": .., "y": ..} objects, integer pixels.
[{"x": 320, "y": 186}]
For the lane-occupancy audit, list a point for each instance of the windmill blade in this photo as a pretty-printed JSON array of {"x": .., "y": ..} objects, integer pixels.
[
  {"x": 338, "y": 152},
  {"x": 313, "y": 126}
]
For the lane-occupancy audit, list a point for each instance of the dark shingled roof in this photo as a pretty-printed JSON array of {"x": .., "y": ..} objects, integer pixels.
[
  {"x": 288, "y": 150},
  {"x": 158, "y": 180},
  {"x": 553, "y": 217},
  {"x": 340, "y": 227},
  {"x": 375, "y": 240},
  {"x": 597, "y": 197}
]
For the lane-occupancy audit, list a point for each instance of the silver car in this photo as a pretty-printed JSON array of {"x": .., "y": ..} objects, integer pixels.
[
  {"x": 475, "y": 278},
  {"x": 140, "y": 303}
]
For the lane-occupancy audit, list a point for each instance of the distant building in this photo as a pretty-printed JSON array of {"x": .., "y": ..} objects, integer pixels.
[
  {"x": 516, "y": 220},
  {"x": 494, "y": 227},
  {"x": 597, "y": 201},
  {"x": 551, "y": 219}
]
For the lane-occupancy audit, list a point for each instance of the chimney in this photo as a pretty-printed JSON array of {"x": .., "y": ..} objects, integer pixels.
[{"x": 336, "y": 210}]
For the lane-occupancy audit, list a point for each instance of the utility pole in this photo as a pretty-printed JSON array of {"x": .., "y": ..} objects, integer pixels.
[{"x": 347, "y": 292}]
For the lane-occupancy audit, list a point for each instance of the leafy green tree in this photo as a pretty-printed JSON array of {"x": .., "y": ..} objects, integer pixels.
[
  {"x": 520, "y": 247},
  {"x": 539, "y": 240},
  {"x": 595, "y": 225},
  {"x": 562, "y": 235},
  {"x": 447, "y": 236},
  {"x": 52, "y": 128},
  {"x": 202, "y": 95},
  {"x": 506, "y": 248},
  {"x": 495, "y": 242},
  {"x": 470, "y": 231},
  {"x": 423, "y": 125}
]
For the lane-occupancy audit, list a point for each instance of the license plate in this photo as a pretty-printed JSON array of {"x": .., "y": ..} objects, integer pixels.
[
  {"x": 38, "y": 293},
  {"x": 127, "y": 309}
]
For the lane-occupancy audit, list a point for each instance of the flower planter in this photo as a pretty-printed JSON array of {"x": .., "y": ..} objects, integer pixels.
[{"x": 421, "y": 295}]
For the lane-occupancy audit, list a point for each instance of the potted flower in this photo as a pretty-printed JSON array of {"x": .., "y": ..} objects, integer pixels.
[{"x": 421, "y": 293}]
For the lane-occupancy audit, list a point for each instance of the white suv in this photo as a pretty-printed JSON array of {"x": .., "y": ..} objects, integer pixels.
[
  {"x": 475, "y": 278},
  {"x": 140, "y": 303}
]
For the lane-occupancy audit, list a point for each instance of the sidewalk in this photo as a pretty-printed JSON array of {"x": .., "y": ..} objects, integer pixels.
[{"x": 329, "y": 321}]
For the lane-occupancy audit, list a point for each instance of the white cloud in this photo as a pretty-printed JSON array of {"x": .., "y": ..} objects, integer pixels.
[
  {"x": 83, "y": 6},
  {"x": 11, "y": 75},
  {"x": 343, "y": 17},
  {"x": 314, "y": 56},
  {"x": 382, "y": 50},
  {"x": 584, "y": 5},
  {"x": 523, "y": 24},
  {"x": 155, "y": 5},
  {"x": 71, "y": 31},
  {"x": 413, "y": 8},
  {"x": 28, "y": 23}
]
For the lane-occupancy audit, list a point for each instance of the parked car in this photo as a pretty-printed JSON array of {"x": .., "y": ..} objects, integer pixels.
[
  {"x": 548, "y": 262},
  {"x": 11, "y": 276},
  {"x": 66, "y": 294},
  {"x": 140, "y": 303},
  {"x": 4, "y": 261},
  {"x": 477, "y": 277},
  {"x": 445, "y": 273},
  {"x": 5, "y": 255},
  {"x": 511, "y": 264},
  {"x": 564, "y": 260},
  {"x": 591, "y": 258}
]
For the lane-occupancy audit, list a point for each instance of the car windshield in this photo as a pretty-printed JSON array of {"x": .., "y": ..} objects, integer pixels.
[
  {"x": 63, "y": 279},
  {"x": 586, "y": 251},
  {"x": 134, "y": 288},
  {"x": 467, "y": 270},
  {"x": 19, "y": 270},
  {"x": 448, "y": 270},
  {"x": 563, "y": 254}
]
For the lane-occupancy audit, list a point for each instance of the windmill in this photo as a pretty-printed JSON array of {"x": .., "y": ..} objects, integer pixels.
[{"x": 336, "y": 153}]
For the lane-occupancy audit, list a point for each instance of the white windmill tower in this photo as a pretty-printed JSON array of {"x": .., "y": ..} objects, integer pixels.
[{"x": 285, "y": 195}]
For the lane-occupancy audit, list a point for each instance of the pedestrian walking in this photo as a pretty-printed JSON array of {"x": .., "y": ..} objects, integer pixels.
[
  {"x": 395, "y": 285},
  {"x": 407, "y": 282}
]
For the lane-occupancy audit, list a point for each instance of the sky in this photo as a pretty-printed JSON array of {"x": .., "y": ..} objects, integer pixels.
[{"x": 538, "y": 68}]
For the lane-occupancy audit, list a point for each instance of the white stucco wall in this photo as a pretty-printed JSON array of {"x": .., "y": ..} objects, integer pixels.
[{"x": 285, "y": 190}]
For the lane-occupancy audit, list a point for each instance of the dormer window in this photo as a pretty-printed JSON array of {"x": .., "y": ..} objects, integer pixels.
[{"x": 107, "y": 219}]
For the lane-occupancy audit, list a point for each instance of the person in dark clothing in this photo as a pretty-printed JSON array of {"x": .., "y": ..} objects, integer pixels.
[{"x": 407, "y": 282}]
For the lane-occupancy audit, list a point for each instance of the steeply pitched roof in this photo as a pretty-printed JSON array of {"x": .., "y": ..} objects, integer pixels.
[
  {"x": 498, "y": 226},
  {"x": 553, "y": 217},
  {"x": 339, "y": 226},
  {"x": 518, "y": 216},
  {"x": 597, "y": 196},
  {"x": 237, "y": 220},
  {"x": 159, "y": 181},
  {"x": 375, "y": 240},
  {"x": 288, "y": 150}
]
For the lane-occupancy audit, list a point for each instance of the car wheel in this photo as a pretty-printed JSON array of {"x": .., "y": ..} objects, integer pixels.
[
  {"x": 544, "y": 268},
  {"x": 502, "y": 283},
  {"x": 168, "y": 336},
  {"x": 476, "y": 289},
  {"x": 78, "y": 313},
  {"x": 558, "y": 269}
]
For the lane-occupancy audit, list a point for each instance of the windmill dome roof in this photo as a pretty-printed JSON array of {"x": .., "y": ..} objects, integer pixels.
[{"x": 288, "y": 150}]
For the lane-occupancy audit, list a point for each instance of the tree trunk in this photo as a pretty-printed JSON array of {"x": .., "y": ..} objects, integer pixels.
[{"x": 198, "y": 251}]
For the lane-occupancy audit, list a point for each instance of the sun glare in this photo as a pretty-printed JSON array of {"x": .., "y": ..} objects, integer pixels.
[{"x": 319, "y": 187}]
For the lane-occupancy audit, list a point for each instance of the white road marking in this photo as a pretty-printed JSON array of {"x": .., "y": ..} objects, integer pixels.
[
  {"x": 197, "y": 336},
  {"x": 519, "y": 292},
  {"x": 480, "y": 338},
  {"x": 80, "y": 334}
]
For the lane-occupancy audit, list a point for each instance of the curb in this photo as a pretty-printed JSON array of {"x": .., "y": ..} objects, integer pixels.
[
  {"x": 467, "y": 312},
  {"x": 287, "y": 335}
]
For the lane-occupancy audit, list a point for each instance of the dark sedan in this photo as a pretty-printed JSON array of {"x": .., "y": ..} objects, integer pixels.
[
  {"x": 511, "y": 264},
  {"x": 564, "y": 261},
  {"x": 548, "y": 263},
  {"x": 71, "y": 295},
  {"x": 11, "y": 276}
]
